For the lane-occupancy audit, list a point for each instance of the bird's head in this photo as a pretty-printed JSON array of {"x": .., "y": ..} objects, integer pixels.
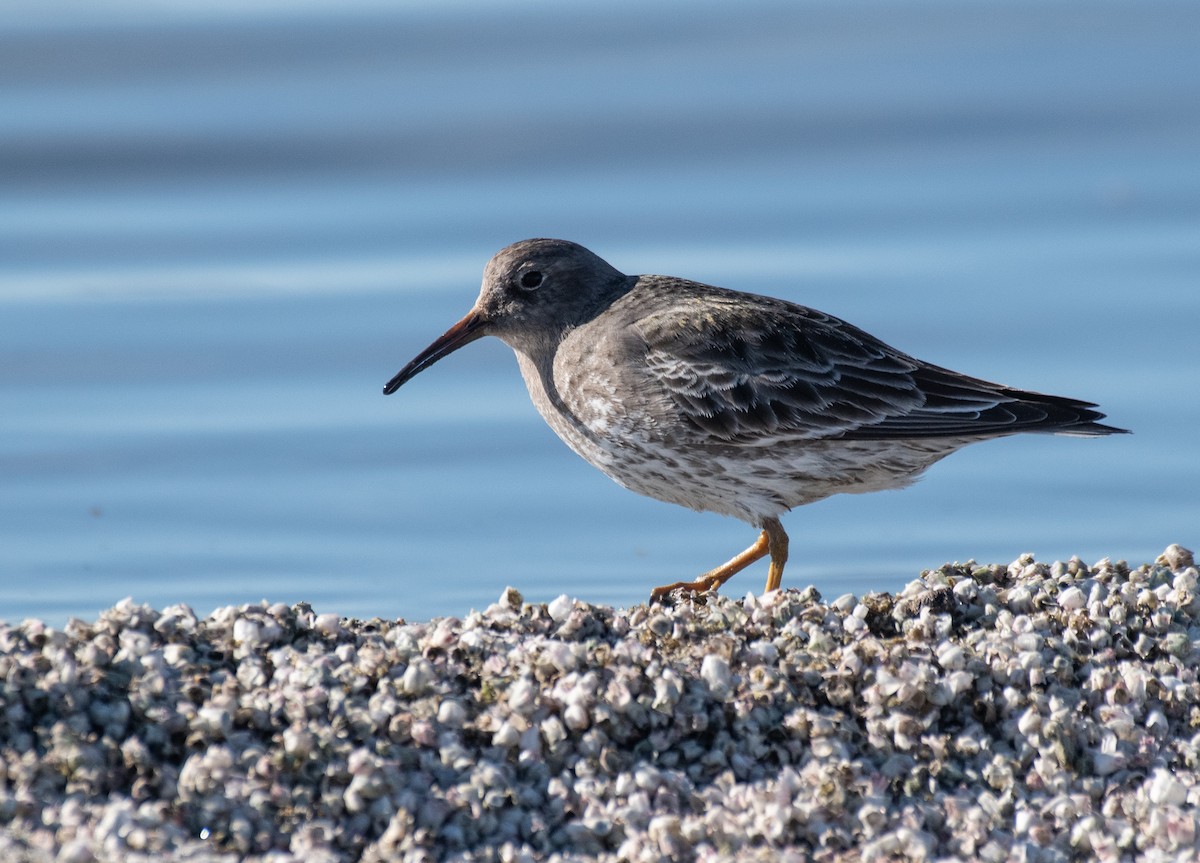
[{"x": 533, "y": 292}]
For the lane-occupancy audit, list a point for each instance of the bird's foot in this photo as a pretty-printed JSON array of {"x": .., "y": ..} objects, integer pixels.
[
  {"x": 701, "y": 584},
  {"x": 714, "y": 578}
]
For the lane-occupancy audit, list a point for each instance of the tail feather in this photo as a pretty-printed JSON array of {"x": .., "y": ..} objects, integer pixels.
[
  {"x": 1057, "y": 415},
  {"x": 960, "y": 406}
]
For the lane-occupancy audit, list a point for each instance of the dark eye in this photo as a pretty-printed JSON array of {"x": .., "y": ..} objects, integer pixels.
[{"x": 531, "y": 279}]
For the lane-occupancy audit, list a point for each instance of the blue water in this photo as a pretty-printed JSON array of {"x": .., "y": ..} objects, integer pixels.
[{"x": 221, "y": 231}]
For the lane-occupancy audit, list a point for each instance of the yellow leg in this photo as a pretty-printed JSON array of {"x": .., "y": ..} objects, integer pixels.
[
  {"x": 777, "y": 541},
  {"x": 714, "y": 578}
]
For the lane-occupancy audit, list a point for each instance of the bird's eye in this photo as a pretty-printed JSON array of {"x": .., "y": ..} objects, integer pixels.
[{"x": 531, "y": 279}]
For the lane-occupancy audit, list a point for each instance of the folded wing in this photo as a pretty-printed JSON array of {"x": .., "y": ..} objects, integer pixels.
[{"x": 750, "y": 369}]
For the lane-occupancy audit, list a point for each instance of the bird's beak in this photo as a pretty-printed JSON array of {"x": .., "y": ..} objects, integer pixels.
[{"x": 464, "y": 332}]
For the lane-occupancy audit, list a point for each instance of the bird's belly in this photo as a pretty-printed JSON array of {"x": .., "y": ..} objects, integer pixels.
[
  {"x": 620, "y": 441},
  {"x": 749, "y": 482},
  {"x": 650, "y": 468}
]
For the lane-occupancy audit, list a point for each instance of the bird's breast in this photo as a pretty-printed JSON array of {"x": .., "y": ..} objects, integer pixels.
[{"x": 582, "y": 404}]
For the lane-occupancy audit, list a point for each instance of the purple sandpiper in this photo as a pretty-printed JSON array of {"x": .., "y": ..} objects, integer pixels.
[{"x": 726, "y": 401}]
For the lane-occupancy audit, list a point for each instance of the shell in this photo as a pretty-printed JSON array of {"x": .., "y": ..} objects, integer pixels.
[{"x": 1043, "y": 712}]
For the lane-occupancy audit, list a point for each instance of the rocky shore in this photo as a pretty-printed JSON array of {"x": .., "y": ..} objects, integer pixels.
[{"x": 1034, "y": 711}]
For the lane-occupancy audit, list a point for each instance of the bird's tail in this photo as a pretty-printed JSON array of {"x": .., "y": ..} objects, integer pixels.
[{"x": 1060, "y": 415}]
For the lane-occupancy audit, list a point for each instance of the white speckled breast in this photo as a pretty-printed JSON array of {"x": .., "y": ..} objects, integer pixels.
[{"x": 604, "y": 415}]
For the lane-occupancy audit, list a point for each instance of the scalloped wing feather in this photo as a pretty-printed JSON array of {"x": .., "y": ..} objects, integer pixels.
[{"x": 813, "y": 376}]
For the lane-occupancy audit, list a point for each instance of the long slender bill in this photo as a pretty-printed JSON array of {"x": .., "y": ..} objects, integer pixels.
[{"x": 464, "y": 332}]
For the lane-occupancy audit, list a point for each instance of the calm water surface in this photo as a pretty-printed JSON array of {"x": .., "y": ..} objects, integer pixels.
[{"x": 222, "y": 232}]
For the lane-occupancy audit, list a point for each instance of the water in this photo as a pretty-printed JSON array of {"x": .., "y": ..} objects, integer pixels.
[{"x": 221, "y": 231}]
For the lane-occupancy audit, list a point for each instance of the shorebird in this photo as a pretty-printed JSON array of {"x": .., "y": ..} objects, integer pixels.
[{"x": 726, "y": 401}]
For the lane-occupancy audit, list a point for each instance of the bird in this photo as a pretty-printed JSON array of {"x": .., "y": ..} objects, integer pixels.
[{"x": 725, "y": 401}]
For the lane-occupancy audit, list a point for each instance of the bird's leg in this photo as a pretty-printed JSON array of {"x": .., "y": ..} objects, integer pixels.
[
  {"x": 777, "y": 541},
  {"x": 714, "y": 578}
]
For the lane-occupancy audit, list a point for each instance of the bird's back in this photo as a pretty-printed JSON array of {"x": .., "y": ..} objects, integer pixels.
[{"x": 742, "y": 369}]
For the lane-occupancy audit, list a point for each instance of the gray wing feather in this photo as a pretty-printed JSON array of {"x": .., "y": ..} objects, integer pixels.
[{"x": 749, "y": 369}]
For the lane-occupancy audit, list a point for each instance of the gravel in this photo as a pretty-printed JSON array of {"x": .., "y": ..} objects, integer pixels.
[{"x": 1033, "y": 712}]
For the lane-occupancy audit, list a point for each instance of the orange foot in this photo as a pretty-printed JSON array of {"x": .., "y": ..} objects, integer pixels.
[{"x": 773, "y": 541}]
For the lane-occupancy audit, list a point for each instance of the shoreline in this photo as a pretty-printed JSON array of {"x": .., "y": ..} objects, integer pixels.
[{"x": 1049, "y": 711}]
